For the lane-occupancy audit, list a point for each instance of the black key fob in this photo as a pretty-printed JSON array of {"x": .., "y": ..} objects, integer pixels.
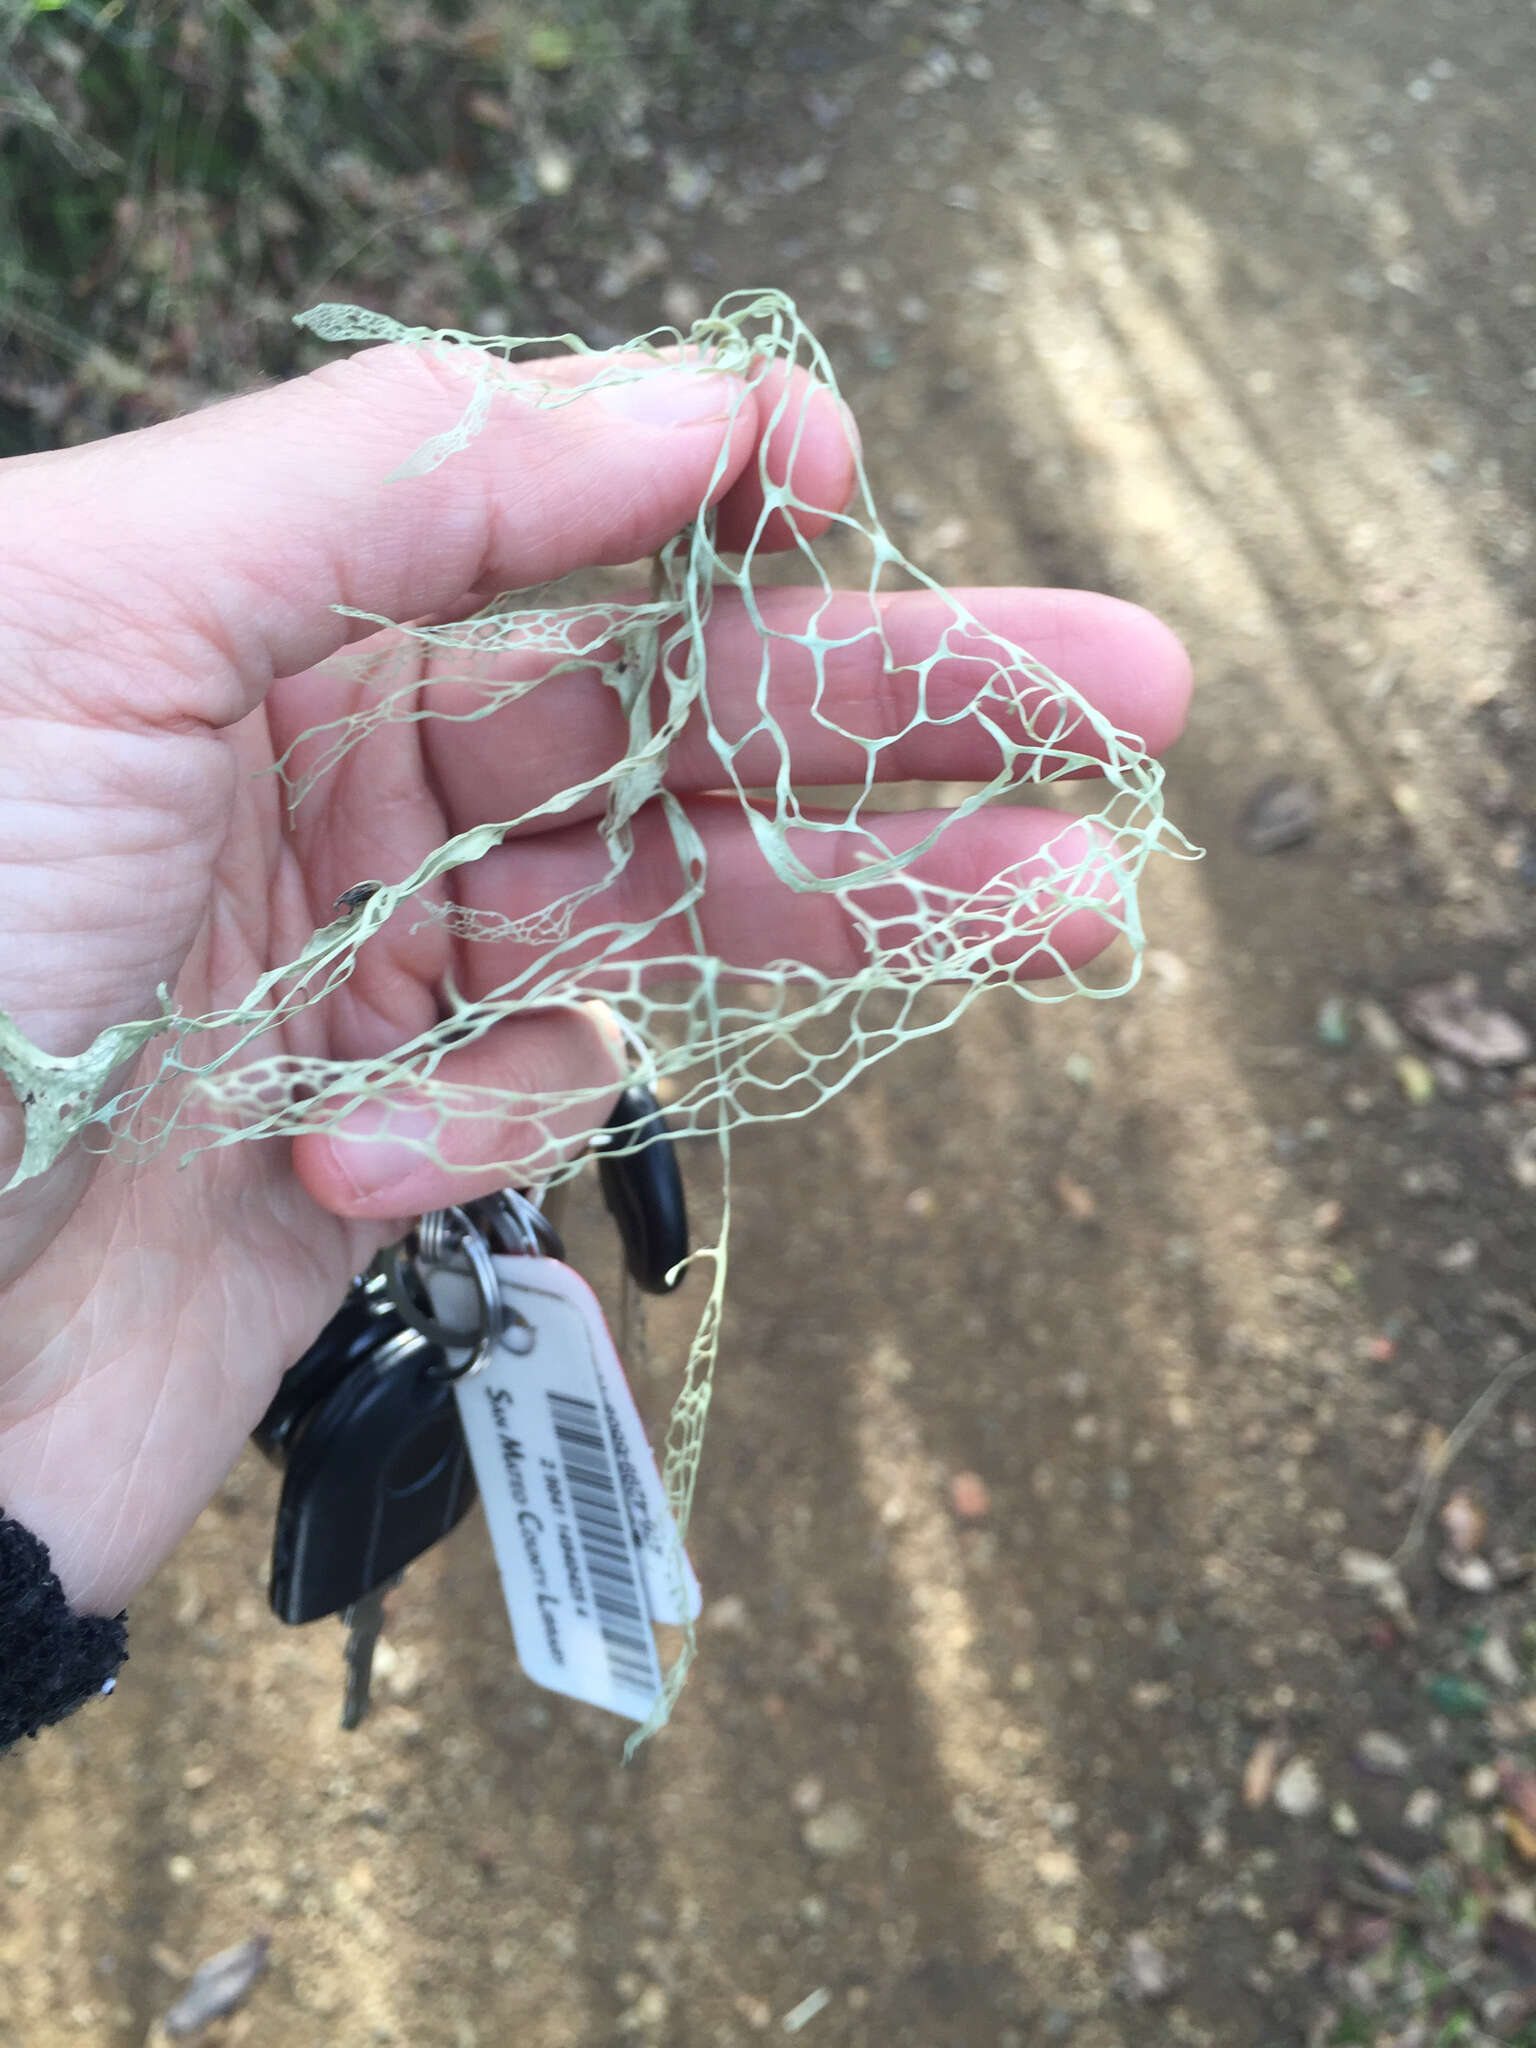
[
  {"x": 643, "y": 1191},
  {"x": 375, "y": 1472},
  {"x": 363, "y": 1319}
]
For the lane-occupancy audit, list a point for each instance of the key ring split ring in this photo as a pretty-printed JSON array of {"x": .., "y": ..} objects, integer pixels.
[{"x": 449, "y": 1238}]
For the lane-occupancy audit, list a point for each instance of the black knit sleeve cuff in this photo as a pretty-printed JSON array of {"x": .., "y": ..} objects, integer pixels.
[{"x": 51, "y": 1660}]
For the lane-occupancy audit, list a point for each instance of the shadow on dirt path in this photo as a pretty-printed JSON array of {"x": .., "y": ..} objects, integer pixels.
[{"x": 1226, "y": 310}]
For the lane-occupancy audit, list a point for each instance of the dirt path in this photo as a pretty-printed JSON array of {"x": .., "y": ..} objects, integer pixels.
[{"x": 1230, "y": 310}]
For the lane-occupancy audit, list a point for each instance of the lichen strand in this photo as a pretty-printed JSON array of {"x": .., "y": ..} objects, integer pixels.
[{"x": 727, "y": 1048}]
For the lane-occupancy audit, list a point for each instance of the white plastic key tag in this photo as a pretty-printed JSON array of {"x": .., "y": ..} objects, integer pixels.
[{"x": 585, "y": 1544}]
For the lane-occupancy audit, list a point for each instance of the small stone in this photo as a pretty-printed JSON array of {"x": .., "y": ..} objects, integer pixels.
[
  {"x": 217, "y": 1987},
  {"x": 837, "y": 1831},
  {"x": 1415, "y": 1078},
  {"x": 1333, "y": 1024},
  {"x": 1281, "y": 813},
  {"x": 1387, "y": 1871},
  {"x": 800, "y": 2016},
  {"x": 949, "y": 534},
  {"x": 1423, "y": 1809},
  {"x": 1366, "y": 1568},
  {"x": 553, "y": 171},
  {"x": 1467, "y": 1574},
  {"x": 1464, "y": 1523},
  {"x": 1298, "y": 1789},
  {"x": 1260, "y": 1771},
  {"x": 682, "y": 303},
  {"x": 1466, "y": 1837},
  {"x": 1149, "y": 1976},
  {"x": 1383, "y": 1755},
  {"x": 1498, "y": 1660},
  {"x": 1380, "y": 1029},
  {"x": 198, "y": 1777},
  {"x": 808, "y": 1796},
  {"x": 1344, "y": 1821},
  {"x": 181, "y": 1869},
  {"x": 1075, "y": 1199},
  {"x": 688, "y": 184},
  {"x": 969, "y": 1497},
  {"x": 1522, "y": 1159},
  {"x": 1450, "y": 1015},
  {"x": 1482, "y": 1783},
  {"x": 551, "y": 47},
  {"x": 728, "y": 1614}
]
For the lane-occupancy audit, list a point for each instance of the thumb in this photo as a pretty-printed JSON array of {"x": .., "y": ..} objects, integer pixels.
[{"x": 187, "y": 566}]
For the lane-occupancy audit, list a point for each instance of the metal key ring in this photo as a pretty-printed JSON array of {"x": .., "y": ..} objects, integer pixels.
[{"x": 444, "y": 1237}]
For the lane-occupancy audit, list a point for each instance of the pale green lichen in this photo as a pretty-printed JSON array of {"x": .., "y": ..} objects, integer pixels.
[{"x": 727, "y": 1047}]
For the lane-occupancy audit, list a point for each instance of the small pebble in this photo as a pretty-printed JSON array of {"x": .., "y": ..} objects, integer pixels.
[
  {"x": 1333, "y": 1024},
  {"x": 1498, "y": 1660},
  {"x": 1454, "y": 1020},
  {"x": 1149, "y": 1976},
  {"x": 808, "y": 1796},
  {"x": 1466, "y": 1837},
  {"x": 969, "y": 1496},
  {"x": 217, "y": 1987},
  {"x": 1482, "y": 1783},
  {"x": 1383, "y": 1755},
  {"x": 1423, "y": 1808},
  {"x": 1298, "y": 1789},
  {"x": 838, "y": 1831},
  {"x": 1415, "y": 1079},
  {"x": 1281, "y": 813},
  {"x": 1381, "y": 1029}
]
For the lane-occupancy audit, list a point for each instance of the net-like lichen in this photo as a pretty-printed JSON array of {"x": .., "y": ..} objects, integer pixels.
[{"x": 726, "y": 1041}]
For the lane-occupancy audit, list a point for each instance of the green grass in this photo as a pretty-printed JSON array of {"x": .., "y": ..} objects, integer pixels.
[{"x": 176, "y": 178}]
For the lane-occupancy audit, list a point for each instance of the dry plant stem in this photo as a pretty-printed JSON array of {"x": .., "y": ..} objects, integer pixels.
[{"x": 1429, "y": 1487}]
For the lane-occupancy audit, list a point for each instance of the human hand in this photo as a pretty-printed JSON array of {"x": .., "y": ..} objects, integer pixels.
[{"x": 164, "y": 603}]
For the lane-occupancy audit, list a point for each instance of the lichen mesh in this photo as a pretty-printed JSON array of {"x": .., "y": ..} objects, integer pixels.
[{"x": 724, "y": 1044}]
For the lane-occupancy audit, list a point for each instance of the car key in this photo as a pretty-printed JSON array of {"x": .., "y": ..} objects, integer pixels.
[
  {"x": 643, "y": 1191},
  {"x": 350, "y": 1333},
  {"x": 376, "y": 1472},
  {"x": 363, "y": 1622}
]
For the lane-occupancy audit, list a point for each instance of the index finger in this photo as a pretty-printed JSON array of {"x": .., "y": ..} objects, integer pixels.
[{"x": 219, "y": 543}]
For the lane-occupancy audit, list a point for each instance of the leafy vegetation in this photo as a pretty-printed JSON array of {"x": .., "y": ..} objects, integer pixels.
[{"x": 175, "y": 179}]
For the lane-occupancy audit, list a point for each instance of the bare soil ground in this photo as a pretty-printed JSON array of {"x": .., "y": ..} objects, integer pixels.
[{"x": 1228, "y": 309}]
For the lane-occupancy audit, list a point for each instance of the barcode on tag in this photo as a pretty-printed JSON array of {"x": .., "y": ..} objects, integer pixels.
[
  {"x": 605, "y": 1547},
  {"x": 587, "y": 1550}
]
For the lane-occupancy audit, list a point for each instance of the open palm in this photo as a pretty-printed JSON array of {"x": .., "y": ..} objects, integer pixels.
[{"x": 164, "y": 602}]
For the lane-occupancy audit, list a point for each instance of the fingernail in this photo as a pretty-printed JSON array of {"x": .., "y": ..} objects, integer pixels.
[
  {"x": 672, "y": 396},
  {"x": 373, "y": 1165}
]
